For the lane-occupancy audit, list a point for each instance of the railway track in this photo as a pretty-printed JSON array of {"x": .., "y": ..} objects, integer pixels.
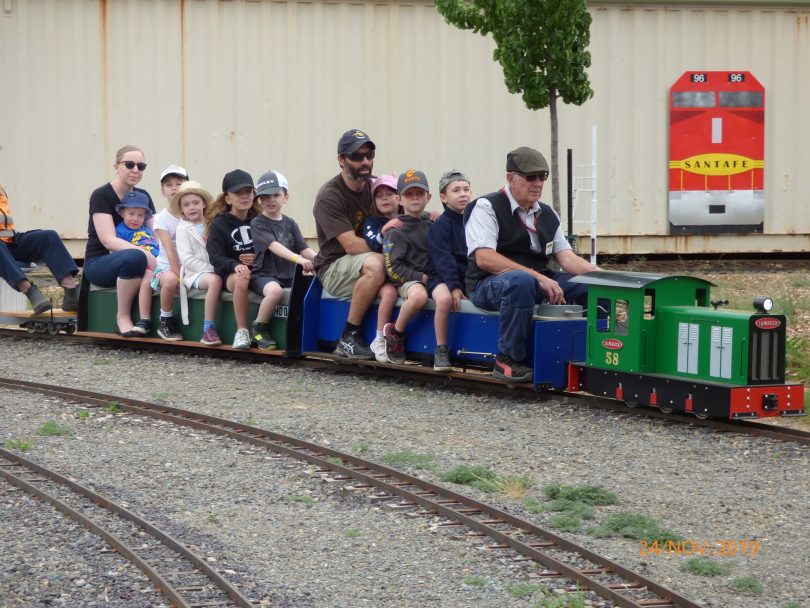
[
  {"x": 470, "y": 381},
  {"x": 180, "y": 574},
  {"x": 501, "y": 531}
]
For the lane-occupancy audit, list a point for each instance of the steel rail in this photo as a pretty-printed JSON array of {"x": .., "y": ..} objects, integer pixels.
[
  {"x": 434, "y": 499},
  {"x": 172, "y": 593},
  {"x": 456, "y": 380}
]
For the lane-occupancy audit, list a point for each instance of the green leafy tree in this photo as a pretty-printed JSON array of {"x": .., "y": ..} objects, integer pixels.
[{"x": 542, "y": 48}]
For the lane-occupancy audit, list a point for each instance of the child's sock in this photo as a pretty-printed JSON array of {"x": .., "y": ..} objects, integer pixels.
[
  {"x": 208, "y": 325},
  {"x": 380, "y": 333},
  {"x": 164, "y": 313}
]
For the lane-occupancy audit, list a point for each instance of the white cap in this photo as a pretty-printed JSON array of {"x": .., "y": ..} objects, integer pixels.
[
  {"x": 271, "y": 183},
  {"x": 174, "y": 170}
]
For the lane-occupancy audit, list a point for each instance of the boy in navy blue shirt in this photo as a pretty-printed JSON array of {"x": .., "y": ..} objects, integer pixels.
[{"x": 447, "y": 259}]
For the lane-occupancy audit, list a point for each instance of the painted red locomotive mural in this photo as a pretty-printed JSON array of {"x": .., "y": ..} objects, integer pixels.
[{"x": 716, "y": 153}]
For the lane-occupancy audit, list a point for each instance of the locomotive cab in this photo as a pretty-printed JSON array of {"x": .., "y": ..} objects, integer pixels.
[{"x": 622, "y": 313}]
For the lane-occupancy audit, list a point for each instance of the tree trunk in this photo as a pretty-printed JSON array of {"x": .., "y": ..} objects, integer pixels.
[{"x": 555, "y": 173}]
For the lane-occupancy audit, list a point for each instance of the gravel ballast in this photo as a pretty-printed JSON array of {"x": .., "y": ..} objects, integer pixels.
[{"x": 291, "y": 539}]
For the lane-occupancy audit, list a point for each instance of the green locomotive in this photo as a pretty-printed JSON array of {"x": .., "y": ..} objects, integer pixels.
[{"x": 660, "y": 340}]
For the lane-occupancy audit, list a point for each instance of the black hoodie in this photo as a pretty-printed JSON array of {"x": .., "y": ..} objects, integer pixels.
[{"x": 227, "y": 239}]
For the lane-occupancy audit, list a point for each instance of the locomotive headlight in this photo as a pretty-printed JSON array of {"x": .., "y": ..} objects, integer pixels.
[{"x": 763, "y": 304}]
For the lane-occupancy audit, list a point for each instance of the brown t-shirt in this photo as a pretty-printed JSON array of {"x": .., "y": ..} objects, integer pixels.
[{"x": 338, "y": 209}]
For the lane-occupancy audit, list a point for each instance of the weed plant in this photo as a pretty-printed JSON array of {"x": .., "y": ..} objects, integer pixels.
[
  {"x": 408, "y": 458},
  {"x": 352, "y": 533},
  {"x": 563, "y": 601},
  {"x": 513, "y": 486},
  {"x": 533, "y": 505},
  {"x": 702, "y": 566},
  {"x": 572, "y": 507},
  {"x": 307, "y": 500},
  {"x": 475, "y": 581},
  {"x": 480, "y": 477},
  {"x": 51, "y": 428},
  {"x": 747, "y": 584},
  {"x": 23, "y": 445},
  {"x": 520, "y": 590},
  {"x": 590, "y": 495},
  {"x": 565, "y": 522},
  {"x": 639, "y": 527}
]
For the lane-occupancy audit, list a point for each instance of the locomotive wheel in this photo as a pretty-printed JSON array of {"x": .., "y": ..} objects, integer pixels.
[
  {"x": 70, "y": 329},
  {"x": 702, "y": 415},
  {"x": 29, "y": 327},
  {"x": 631, "y": 404},
  {"x": 667, "y": 408},
  {"x": 53, "y": 329}
]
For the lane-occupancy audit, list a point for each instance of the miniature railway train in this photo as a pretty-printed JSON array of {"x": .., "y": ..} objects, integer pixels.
[{"x": 645, "y": 339}]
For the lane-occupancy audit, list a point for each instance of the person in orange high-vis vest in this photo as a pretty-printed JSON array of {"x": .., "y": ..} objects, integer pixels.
[{"x": 32, "y": 246}]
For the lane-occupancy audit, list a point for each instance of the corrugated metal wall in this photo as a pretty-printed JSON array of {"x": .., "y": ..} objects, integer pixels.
[{"x": 257, "y": 84}]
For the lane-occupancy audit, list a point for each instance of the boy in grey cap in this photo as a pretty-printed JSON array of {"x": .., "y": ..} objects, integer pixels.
[
  {"x": 447, "y": 259},
  {"x": 279, "y": 247},
  {"x": 406, "y": 259}
]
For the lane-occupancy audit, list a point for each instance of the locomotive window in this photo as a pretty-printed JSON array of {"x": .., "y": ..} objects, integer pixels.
[
  {"x": 603, "y": 310},
  {"x": 701, "y": 297},
  {"x": 622, "y": 325},
  {"x": 649, "y": 304},
  {"x": 741, "y": 99},
  {"x": 693, "y": 99}
]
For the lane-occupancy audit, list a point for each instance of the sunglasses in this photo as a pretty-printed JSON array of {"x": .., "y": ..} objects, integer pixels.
[
  {"x": 542, "y": 176},
  {"x": 131, "y": 164},
  {"x": 356, "y": 157}
]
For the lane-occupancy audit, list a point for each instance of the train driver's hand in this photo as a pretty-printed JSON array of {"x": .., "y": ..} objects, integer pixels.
[{"x": 552, "y": 289}]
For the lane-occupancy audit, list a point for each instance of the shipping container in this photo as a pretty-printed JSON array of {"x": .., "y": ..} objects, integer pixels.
[{"x": 258, "y": 84}]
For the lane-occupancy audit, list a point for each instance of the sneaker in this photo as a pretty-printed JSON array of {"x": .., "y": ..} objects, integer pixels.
[
  {"x": 509, "y": 370},
  {"x": 38, "y": 301},
  {"x": 241, "y": 339},
  {"x": 441, "y": 359},
  {"x": 169, "y": 330},
  {"x": 70, "y": 303},
  {"x": 210, "y": 337},
  {"x": 394, "y": 344},
  {"x": 353, "y": 346},
  {"x": 260, "y": 336},
  {"x": 142, "y": 327},
  {"x": 378, "y": 348}
]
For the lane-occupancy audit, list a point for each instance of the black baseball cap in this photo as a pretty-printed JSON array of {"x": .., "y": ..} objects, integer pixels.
[
  {"x": 352, "y": 140},
  {"x": 236, "y": 180}
]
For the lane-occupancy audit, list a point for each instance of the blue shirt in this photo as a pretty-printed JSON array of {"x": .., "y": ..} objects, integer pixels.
[{"x": 142, "y": 237}]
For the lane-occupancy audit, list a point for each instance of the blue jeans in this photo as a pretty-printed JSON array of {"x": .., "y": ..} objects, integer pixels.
[
  {"x": 105, "y": 270},
  {"x": 513, "y": 294},
  {"x": 33, "y": 246}
]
